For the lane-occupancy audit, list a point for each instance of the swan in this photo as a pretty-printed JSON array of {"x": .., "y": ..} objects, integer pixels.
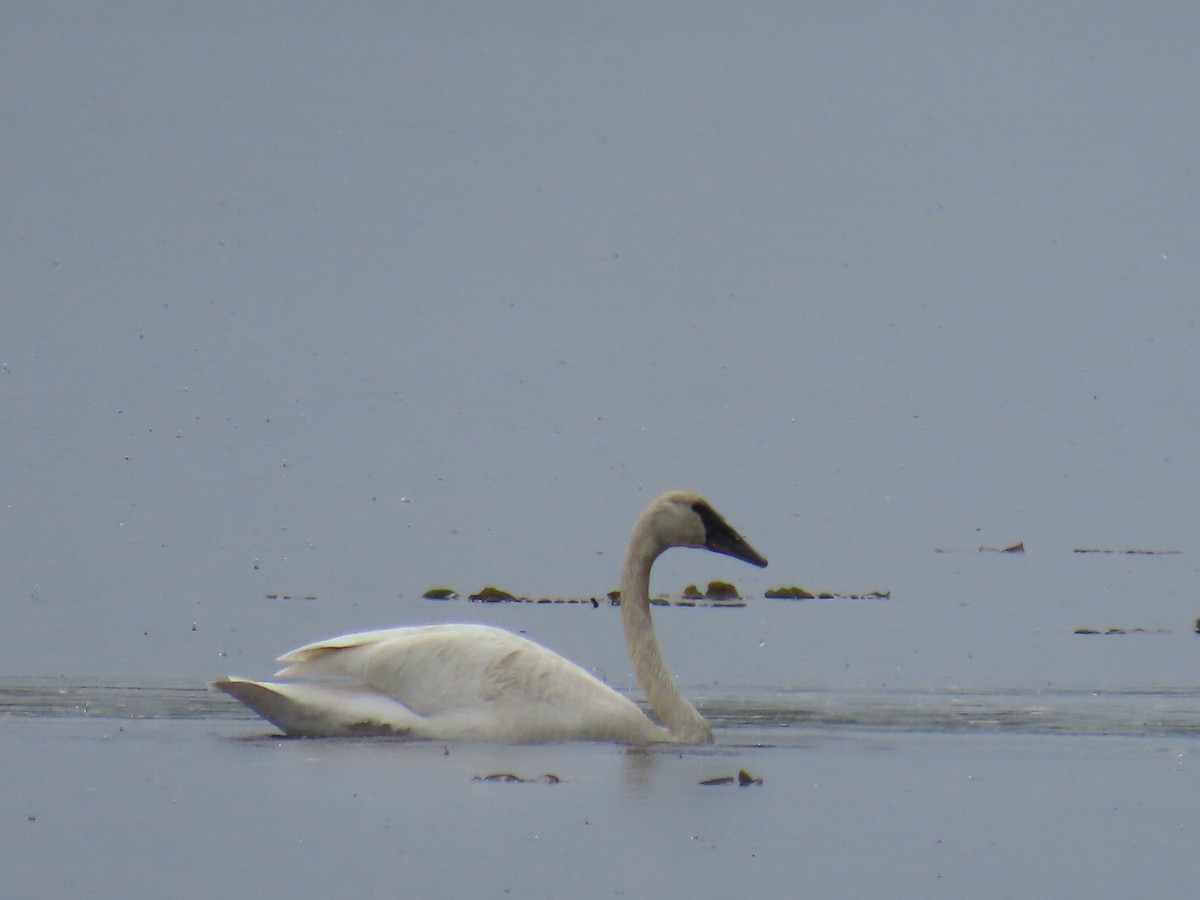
[{"x": 477, "y": 682}]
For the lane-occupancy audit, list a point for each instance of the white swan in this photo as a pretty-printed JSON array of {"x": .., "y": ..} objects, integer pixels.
[{"x": 476, "y": 682}]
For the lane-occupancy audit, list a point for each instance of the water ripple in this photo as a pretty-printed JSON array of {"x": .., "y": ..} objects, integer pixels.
[
  {"x": 1158, "y": 711},
  {"x": 1118, "y": 712}
]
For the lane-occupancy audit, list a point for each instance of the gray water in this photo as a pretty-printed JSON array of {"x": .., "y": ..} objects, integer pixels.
[
  {"x": 113, "y": 789},
  {"x": 304, "y": 311}
]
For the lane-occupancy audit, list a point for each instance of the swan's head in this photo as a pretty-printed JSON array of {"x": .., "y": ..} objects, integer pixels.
[{"x": 685, "y": 519}]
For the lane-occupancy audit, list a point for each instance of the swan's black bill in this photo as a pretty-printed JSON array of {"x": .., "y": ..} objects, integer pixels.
[{"x": 720, "y": 538}]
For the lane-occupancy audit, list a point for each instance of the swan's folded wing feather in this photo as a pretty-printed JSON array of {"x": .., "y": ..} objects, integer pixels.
[{"x": 436, "y": 669}]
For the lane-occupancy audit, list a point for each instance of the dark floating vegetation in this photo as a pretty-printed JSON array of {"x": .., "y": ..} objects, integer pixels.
[
  {"x": 742, "y": 779},
  {"x": 1017, "y": 547},
  {"x": 1127, "y": 551},
  {"x": 1129, "y": 630},
  {"x": 717, "y": 594},
  {"x": 716, "y": 590},
  {"x": 790, "y": 592},
  {"x": 721, "y": 590},
  {"x": 509, "y": 778},
  {"x": 491, "y": 594},
  {"x": 795, "y": 592}
]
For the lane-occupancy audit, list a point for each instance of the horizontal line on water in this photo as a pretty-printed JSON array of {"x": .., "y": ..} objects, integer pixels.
[{"x": 1137, "y": 711}]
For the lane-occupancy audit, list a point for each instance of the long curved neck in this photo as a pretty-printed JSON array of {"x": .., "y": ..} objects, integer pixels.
[{"x": 680, "y": 717}]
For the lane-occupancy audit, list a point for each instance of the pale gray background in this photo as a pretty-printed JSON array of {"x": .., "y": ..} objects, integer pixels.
[
  {"x": 347, "y": 301},
  {"x": 387, "y": 296}
]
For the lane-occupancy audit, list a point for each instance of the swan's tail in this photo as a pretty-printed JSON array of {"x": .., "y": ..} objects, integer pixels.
[{"x": 322, "y": 710}]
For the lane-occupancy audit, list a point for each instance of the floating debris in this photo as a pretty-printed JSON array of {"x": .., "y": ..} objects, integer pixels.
[
  {"x": 509, "y": 778},
  {"x": 1128, "y": 630},
  {"x": 742, "y": 779},
  {"x": 1018, "y": 547},
  {"x": 715, "y": 591},
  {"x": 492, "y": 594},
  {"x": 274, "y": 595},
  {"x": 795, "y": 592},
  {"x": 791, "y": 592},
  {"x": 721, "y": 590},
  {"x": 1127, "y": 551},
  {"x": 687, "y": 600}
]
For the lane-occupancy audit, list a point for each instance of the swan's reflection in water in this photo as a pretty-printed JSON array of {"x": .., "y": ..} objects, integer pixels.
[
  {"x": 785, "y": 716},
  {"x": 638, "y": 765}
]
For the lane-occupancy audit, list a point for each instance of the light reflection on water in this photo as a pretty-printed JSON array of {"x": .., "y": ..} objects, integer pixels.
[
  {"x": 760, "y": 715},
  {"x": 1131, "y": 712}
]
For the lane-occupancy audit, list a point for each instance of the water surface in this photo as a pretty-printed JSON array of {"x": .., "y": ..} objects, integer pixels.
[{"x": 337, "y": 304}]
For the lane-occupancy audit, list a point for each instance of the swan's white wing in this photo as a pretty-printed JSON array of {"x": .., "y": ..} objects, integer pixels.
[
  {"x": 436, "y": 668},
  {"x": 464, "y": 681}
]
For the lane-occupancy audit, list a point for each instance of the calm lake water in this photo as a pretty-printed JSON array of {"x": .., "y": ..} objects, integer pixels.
[
  {"x": 306, "y": 309},
  {"x": 110, "y": 789}
]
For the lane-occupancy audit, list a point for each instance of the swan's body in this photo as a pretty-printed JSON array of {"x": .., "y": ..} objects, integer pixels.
[{"x": 476, "y": 682}]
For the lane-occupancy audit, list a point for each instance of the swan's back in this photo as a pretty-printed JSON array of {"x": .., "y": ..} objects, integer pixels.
[
  {"x": 439, "y": 668},
  {"x": 457, "y": 682}
]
